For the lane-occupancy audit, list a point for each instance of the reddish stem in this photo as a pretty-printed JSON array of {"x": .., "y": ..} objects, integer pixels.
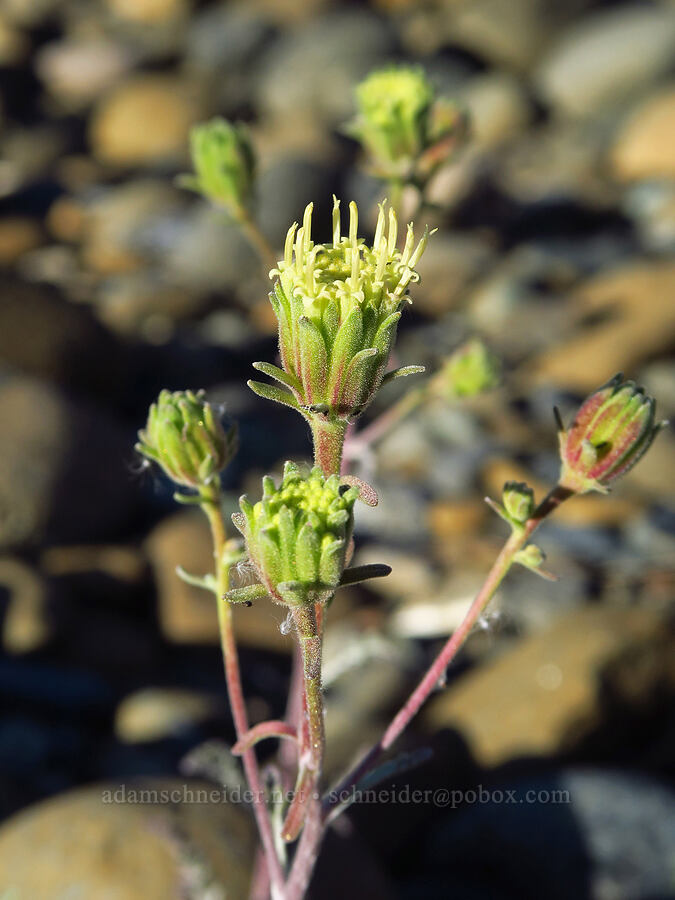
[
  {"x": 437, "y": 670},
  {"x": 235, "y": 692},
  {"x": 288, "y": 752},
  {"x": 274, "y": 728},
  {"x": 328, "y": 436},
  {"x": 311, "y": 756}
]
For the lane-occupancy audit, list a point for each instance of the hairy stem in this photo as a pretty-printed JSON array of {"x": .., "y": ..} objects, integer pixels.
[
  {"x": 211, "y": 506},
  {"x": 306, "y": 699},
  {"x": 311, "y": 756},
  {"x": 288, "y": 751},
  {"x": 328, "y": 436},
  {"x": 437, "y": 670}
]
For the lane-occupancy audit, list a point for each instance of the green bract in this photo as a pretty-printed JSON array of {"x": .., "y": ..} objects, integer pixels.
[
  {"x": 338, "y": 307},
  {"x": 185, "y": 437},
  {"x": 298, "y": 535},
  {"x": 224, "y": 164}
]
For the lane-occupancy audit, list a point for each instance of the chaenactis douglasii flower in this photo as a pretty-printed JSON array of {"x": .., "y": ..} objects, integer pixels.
[{"x": 338, "y": 307}]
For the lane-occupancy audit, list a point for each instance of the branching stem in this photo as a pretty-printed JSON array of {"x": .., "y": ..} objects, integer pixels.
[{"x": 437, "y": 670}]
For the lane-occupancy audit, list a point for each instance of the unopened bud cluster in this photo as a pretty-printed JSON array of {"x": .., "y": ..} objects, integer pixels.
[
  {"x": 224, "y": 165},
  {"x": 185, "y": 436},
  {"x": 298, "y": 535},
  {"x": 610, "y": 433},
  {"x": 406, "y": 132}
]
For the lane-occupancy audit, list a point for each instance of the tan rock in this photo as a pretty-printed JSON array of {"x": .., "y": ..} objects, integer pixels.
[
  {"x": 149, "y": 12},
  {"x": 644, "y": 146},
  {"x": 66, "y": 219},
  {"x": 25, "y": 623},
  {"x": 14, "y": 44},
  {"x": 18, "y": 235},
  {"x": 77, "y": 71},
  {"x": 105, "y": 841},
  {"x": 635, "y": 315},
  {"x": 144, "y": 120},
  {"x": 111, "y": 221},
  {"x": 137, "y": 304},
  {"x": 654, "y": 476},
  {"x": 188, "y": 614},
  {"x": 452, "y": 519},
  {"x": 155, "y": 713},
  {"x": 548, "y": 692},
  {"x": 123, "y": 563},
  {"x": 497, "y": 107},
  {"x": 448, "y": 266}
]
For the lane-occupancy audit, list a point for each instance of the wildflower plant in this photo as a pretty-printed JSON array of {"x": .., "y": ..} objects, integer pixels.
[{"x": 338, "y": 306}]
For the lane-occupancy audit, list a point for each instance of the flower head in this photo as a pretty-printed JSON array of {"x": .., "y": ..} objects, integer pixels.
[
  {"x": 224, "y": 164},
  {"x": 612, "y": 430},
  {"x": 393, "y": 106},
  {"x": 404, "y": 129},
  {"x": 185, "y": 436},
  {"x": 338, "y": 307},
  {"x": 298, "y": 535}
]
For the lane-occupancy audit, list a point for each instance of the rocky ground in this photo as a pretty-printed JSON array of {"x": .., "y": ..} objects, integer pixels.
[{"x": 556, "y": 240}]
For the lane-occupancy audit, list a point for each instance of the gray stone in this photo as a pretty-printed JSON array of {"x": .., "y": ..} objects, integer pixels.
[
  {"x": 343, "y": 46},
  {"x": 609, "y": 836},
  {"x": 225, "y": 38},
  {"x": 607, "y": 57},
  {"x": 63, "y": 467},
  {"x": 208, "y": 253},
  {"x": 43, "y": 335},
  {"x": 285, "y": 187}
]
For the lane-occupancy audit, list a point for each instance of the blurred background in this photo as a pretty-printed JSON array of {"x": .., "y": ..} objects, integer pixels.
[{"x": 555, "y": 247}]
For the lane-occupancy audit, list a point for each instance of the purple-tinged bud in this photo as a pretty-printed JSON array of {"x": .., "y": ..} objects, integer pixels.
[{"x": 612, "y": 430}]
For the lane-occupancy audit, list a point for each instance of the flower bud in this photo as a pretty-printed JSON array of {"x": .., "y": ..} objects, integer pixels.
[
  {"x": 224, "y": 164},
  {"x": 185, "y": 437},
  {"x": 338, "y": 307},
  {"x": 298, "y": 535},
  {"x": 406, "y": 132},
  {"x": 471, "y": 370},
  {"x": 518, "y": 501},
  {"x": 612, "y": 430},
  {"x": 393, "y": 107}
]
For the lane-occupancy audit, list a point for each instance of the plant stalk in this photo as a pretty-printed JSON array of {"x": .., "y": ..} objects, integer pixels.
[
  {"x": 311, "y": 753},
  {"x": 258, "y": 241},
  {"x": 328, "y": 436},
  {"x": 211, "y": 506}
]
